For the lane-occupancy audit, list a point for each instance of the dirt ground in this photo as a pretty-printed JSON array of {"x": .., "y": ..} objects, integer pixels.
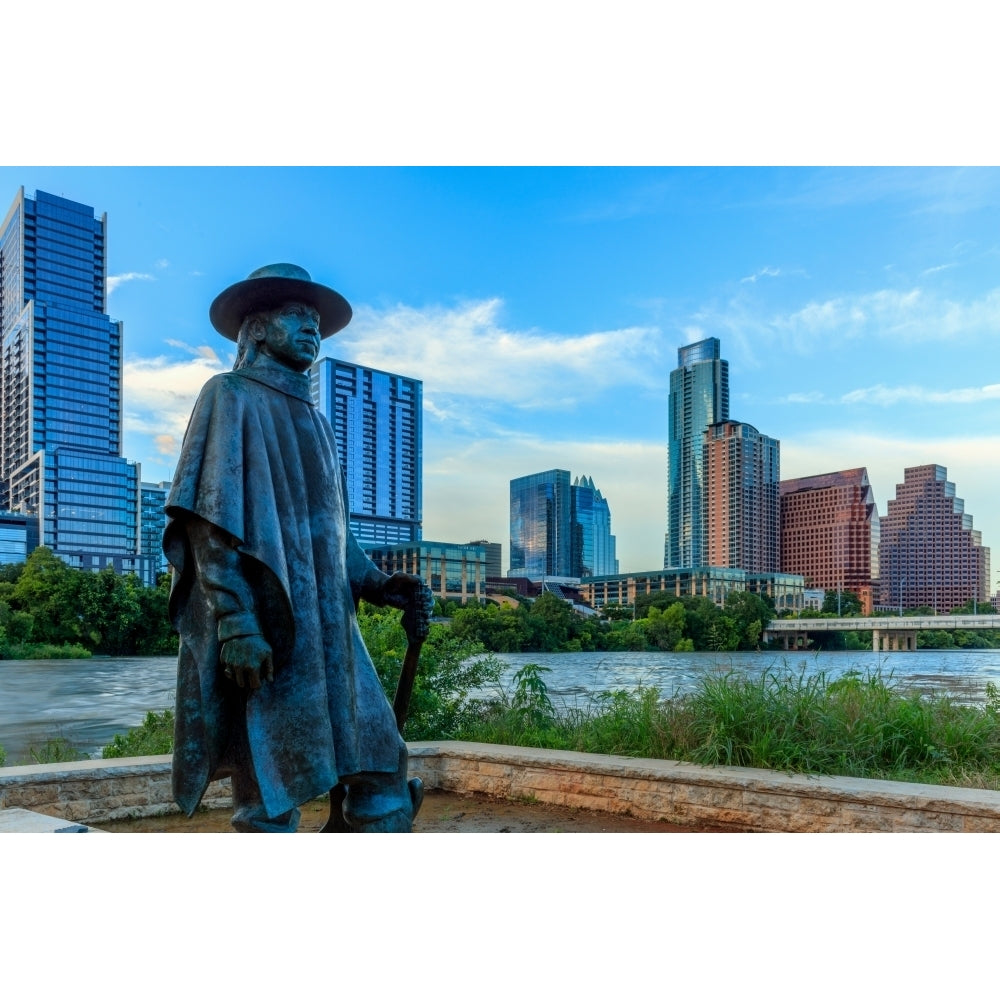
[{"x": 442, "y": 812}]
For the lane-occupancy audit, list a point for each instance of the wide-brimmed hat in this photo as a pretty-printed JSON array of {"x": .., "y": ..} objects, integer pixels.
[{"x": 272, "y": 286}]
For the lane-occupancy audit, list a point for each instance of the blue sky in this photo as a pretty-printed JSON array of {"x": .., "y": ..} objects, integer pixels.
[{"x": 859, "y": 310}]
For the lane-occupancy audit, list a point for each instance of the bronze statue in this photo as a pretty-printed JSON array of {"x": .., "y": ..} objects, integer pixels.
[{"x": 274, "y": 684}]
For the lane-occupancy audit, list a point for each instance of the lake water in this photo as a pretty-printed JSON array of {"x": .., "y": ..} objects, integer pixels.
[{"x": 87, "y": 701}]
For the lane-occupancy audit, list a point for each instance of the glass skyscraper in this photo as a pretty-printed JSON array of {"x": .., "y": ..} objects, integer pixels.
[
  {"x": 377, "y": 419},
  {"x": 593, "y": 543},
  {"x": 61, "y": 387},
  {"x": 699, "y": 396},
  {"x": 540, "y": 532}
]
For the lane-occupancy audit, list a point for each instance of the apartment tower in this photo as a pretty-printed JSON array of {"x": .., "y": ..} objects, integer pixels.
[
  {"x": 742, "y": 516},
  {"x": 377, "y": 419},
  {"x": 699, "y": 397}
]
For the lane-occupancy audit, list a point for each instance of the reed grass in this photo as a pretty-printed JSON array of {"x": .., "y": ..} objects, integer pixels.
[{"x": 863, "y": 724}]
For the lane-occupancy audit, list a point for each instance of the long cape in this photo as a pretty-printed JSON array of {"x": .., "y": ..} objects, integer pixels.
[{"x": 259, "y": 462}]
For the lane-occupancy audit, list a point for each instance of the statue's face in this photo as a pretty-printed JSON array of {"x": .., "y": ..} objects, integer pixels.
[{"x": 292, "y": 336}]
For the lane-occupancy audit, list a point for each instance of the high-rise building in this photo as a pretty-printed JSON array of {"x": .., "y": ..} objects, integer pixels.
[
  {"x": 830, "y": 532},
  {"x": 929, "y": 553},
  {"x": 61, "y": 387},
  {"x": 377, "y": 419},
  {"x": 540, "y": 532},
  {"x": 494, "y": 556},
  {"x": 593, "y": 543},
  {"x": 741, "y": 510},
  {"x": 154, "y": 520},
  {"x": 699, "y": 396}
]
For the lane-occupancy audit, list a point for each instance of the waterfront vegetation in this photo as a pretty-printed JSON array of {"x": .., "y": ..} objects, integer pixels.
[
  {"x": 863, "y": 724},
  {"x": 661, "y": 621},
  {"x": 50, "y": 609}
]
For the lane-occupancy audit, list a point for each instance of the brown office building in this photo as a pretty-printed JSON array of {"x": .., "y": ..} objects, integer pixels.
[
  {"x": 929, "y": 554},
  {"x": 830, "y": 532},
  {"x": 741, "y": 507}
]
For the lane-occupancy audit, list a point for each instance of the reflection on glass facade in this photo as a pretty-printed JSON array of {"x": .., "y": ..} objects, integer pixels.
[
  {"x": 453, "y": 572},
  {"x": 377, "y": 421},
  {"x": 61, "y": 386},
  {"x": 699, "y": 396},
  {"x": 154, "y": 520},
  {"x": 784, "y": 589},
  {"x": 593, "y": 543},
  {"x": 540, "y": 532}
]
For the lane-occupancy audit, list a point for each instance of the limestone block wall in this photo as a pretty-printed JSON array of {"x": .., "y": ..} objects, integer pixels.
[
  {"x": 89, "y": 791},
  {"x": 745, "y": 799},
  {"x": 739, "y": 798}
]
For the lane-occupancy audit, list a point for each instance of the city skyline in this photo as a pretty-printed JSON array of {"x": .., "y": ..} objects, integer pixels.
[{"x": 543, "y": 309}]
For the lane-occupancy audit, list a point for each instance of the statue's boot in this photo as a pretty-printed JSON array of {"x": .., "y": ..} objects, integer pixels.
[{"x": 382, "y": 803}]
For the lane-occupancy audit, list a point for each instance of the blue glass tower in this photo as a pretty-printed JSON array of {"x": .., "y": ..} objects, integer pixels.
[
  {"x": 61, "y": 386},
  {"x": 593, "y": 543},
  {"x": 540, "y": 525},
  {"x": 377, "y": 419},
  {"x": 699, "y": 396}
]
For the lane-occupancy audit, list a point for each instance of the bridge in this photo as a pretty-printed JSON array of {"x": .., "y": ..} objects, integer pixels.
[{"x": 888, "y": 634}]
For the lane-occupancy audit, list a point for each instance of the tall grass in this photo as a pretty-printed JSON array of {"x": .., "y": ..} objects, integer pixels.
[{"x": 861, "y": 725}]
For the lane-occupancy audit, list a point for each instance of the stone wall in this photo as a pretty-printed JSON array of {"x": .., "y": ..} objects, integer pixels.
[
  {"x": 738, "y": 798},
  {"x": 90, "y": 791}
]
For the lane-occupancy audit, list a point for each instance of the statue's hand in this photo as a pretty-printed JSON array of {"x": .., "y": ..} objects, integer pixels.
[
  {"x": 247, "y": 661},
  {"x": 403, "y": 590}
]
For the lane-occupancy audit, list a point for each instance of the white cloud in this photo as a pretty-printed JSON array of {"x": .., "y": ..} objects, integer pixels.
[
  {"x": 160, "y": 393},
  {"x": 466, "y": 351},
  {"x": 882, "y": 395},
  {"x": 114, "y": 280},
  {"x": 764, "y": 272},
  {"x": 163, "y": 262}
]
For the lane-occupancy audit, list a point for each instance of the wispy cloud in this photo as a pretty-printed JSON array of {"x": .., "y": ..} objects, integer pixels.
[
  {"x": 764, "y": 272},
  {"x": 882, "y": 395},
  {"x": 160, "y": 393},
  {"x": 908, "y": 316},
  {"x": 467, "y": 351},
  {"x": 114, "y": 280},
  {"x": 934, "y": 270}
]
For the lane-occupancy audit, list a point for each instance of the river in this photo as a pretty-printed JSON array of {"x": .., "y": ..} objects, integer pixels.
[{"x": 87, "y": 701}]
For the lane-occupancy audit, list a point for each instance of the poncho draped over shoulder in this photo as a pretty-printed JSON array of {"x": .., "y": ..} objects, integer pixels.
[{"x": 259, "y": 464}]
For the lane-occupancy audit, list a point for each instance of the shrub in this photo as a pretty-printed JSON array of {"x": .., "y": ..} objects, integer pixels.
[{"x": 154, "y": 737}]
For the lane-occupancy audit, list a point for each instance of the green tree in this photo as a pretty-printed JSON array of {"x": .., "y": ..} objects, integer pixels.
[
  {"x": 453, "y": 677},
  {"x": 665, "y": 628},
  {"x": 49, "y": 590},
  {"x": 850, "y": 603}
]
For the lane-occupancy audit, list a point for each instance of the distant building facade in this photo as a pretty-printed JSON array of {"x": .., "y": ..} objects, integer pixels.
[
  {"x": 18, "y": 537},
  {"x": 154, "y": 521},
  {"x": 593, "y": 544},
  {"x": 559, "y": 530},
  {"x": 61, "y": 388},
  {"x": 929, "y": 553},
  {"x": 494, "y": 556},
  {"x": 742, "y": 512},
  {"x": 830, "y": 532},
  {"x": 712, "y": 582},
  {"x": 377, "y": 419},
  {"x": 540, "y": 532},
  {"x": 453, "y": 572},
  {"x": 699, "y": 397}
]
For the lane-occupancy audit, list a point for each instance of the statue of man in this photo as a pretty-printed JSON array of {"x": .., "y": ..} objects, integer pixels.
[{"x": 274, "y": 684}]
